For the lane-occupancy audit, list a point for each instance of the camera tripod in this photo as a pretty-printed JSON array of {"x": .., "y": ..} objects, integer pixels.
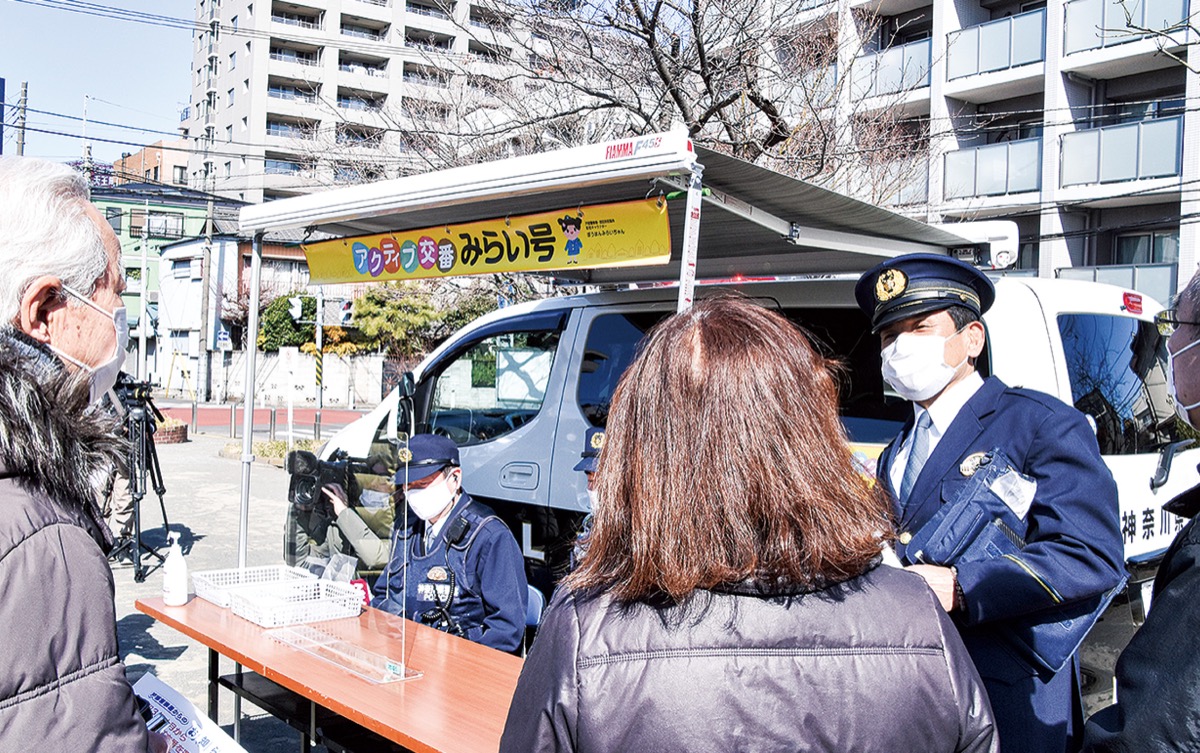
[{"x": 143, "y": 466}]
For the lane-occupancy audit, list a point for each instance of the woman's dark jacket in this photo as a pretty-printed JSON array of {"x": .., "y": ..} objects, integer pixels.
[{"x": 870, "y": 665}]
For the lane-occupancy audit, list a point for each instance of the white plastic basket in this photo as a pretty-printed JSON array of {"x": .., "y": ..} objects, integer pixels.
[
  {"x": 282, "y": 604},
  {"x": 217, "y": 585}
]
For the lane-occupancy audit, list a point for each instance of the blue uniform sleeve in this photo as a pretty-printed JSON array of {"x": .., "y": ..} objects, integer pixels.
[
  {"x": 500, "y": 572},
  {"x": 380, "y": 598},
  {"x": 1073, "y": 545}
]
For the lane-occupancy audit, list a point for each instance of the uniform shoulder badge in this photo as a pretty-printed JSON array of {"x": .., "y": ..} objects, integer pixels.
[
  {"x": 891, "y": 283},
  {"x": 598, "y": 440},
  {"x": 437, "y": 574},
  {"x": 404, "y": 455},
  {"x": 971, "y": 463}
]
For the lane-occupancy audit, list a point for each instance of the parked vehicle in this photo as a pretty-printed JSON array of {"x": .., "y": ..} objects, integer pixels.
[{"x": 518, "y": 388}]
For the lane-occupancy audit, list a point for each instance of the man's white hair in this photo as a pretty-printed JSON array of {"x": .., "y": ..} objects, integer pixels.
[{"x": 45, "y": 230}]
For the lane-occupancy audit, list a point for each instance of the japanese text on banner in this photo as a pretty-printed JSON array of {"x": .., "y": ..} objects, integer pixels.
[{"x": 630, "y": 233}]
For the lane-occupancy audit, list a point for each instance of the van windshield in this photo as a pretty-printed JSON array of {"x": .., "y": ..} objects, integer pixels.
[
  {"x": 842, "y": 334},
  {"x": 1117, "y": 367}
]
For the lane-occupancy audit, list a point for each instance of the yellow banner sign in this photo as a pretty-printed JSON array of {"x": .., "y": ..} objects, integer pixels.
[{"x": 631, "y": 233}]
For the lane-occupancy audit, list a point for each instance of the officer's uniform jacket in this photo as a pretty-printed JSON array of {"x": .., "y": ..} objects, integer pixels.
[
  {"x": 490, "y": 592},
  {"x": 1072, "y": 551}
]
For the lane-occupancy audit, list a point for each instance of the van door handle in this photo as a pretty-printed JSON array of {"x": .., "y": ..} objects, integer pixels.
[
  {"x": 1163, "y": 472},
  {"x": 519, "y": 476}
]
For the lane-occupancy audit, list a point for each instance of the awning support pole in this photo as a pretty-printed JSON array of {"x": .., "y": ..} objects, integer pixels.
[
  {"x": 248, "y": 399},
  {"x": 691, "y": 238}
]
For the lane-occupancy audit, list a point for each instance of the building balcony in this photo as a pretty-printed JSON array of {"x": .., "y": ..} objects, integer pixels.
[
  {"x": 304, "y": 61},
  {"x": 893, "y": 70},
  {"x": 1092, "y": 24},
  {"x": 1132, "y": 151},
  {"x": 997, "y": 45},
  {"x": 1155, "y": 280},
  {"x": 358, "y": 69},
  {"x": 291, "y": 19},
  {"x": 425, "y": 10},
  {"x": 993, "y": 170},
  {"x": 374, "y": 35}
]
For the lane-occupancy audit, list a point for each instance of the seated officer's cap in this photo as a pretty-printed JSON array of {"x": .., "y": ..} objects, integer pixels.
[
  {"x": 916, "y": 284},
  {"x": 593, "y": 442},
  {"x": 423, "y": 456}
]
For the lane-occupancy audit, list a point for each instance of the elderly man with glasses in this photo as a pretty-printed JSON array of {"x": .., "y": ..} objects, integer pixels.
[{"x": 1157, "y": 707}]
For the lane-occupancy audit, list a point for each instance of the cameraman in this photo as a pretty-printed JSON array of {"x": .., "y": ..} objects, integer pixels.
[
  {"x": 354, "y": 519},
  {"x": 465, "y": 571}
]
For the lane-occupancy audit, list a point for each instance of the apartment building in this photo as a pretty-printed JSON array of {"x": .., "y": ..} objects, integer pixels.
[
  {"x": 1053, "y": 113},
  {"x": 291, "y": 97},
  {"x": 1065, "y": 116}
]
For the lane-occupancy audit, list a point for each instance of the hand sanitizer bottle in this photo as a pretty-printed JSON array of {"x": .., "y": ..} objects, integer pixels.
[{"x": 175, "y": 576}]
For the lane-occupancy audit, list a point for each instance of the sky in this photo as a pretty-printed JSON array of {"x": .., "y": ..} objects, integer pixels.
[{"x": 133, "y": 75}]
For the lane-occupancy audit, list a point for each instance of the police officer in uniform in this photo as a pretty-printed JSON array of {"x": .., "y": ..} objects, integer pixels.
[
  {"x": 589, "y": 461},
  {"x": 465, "y": 571},
  {"x": 1002, "y": 500}
]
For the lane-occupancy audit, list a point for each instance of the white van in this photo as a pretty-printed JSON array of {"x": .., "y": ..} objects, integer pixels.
[{"x": 518, "y": 388}]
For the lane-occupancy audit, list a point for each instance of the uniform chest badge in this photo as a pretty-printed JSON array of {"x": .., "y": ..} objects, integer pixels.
[
  {"x": 437, "y": 574},
  {"x": 889, "y": 284},
  {"x": 971, "y": 463}
]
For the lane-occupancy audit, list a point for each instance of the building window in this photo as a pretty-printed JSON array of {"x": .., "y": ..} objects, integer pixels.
[
  {"x": 233, "y": 23},
  {"x": 180, "y": 175},
  {"x": 1158, "y": 247},
  {"x": 161, "y": 225},
  {"x": 245, "y": 124},
  {"x": 229, "y": 133},
  {"x": 229, "y": 94},
  {"x": 113, "y": 215},
  {"x": 233, "y": 60},
  {"x": 181, "y": 269}
]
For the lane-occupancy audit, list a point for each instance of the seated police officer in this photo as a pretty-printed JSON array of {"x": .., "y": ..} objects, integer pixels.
[{"x": 465, "y": 571}]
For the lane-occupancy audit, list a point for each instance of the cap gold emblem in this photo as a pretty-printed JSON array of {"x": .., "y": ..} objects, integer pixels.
[
  {"x": 405, "y": 455},
  {"x": 597, "y": 440},
  {"x": 971, "y": 463},
  {"x": 905, "y": 538},
  {"x": 437, "y": 573},
  {"x": 891, "y": 283}
]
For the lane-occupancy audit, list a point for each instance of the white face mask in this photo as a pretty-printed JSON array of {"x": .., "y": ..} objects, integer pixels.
[
  {"x": 915, "y": 365},
  {"x": 431, "y": 500},
  {"x": 1181, "y": 410},
  {"x": 102, "y": 376},
  {"x": 592, "y": 499}
]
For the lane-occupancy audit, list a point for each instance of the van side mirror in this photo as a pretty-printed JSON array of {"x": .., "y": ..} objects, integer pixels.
[{"x": 407, "y": 387}]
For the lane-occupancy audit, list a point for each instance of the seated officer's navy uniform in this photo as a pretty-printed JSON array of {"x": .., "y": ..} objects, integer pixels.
[
  {"x": 469, "y": 579},
  {"x": 1030, "y": 585}
]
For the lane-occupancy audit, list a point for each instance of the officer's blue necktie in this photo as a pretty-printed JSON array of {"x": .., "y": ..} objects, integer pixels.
[{"x": 918, "y": 453}]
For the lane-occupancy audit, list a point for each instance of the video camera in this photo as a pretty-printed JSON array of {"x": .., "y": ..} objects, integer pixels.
[
  {"x": 135, "y": 394},
  {"x": 314, "y": 511}
]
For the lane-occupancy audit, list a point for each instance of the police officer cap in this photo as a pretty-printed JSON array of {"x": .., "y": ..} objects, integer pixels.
[
  {"x": 916, "y": 284},
  {"x": 425, "y": 455},
  {"x": 593, "y": 442}
]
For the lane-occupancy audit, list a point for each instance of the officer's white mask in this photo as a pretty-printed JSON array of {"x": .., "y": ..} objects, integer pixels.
[
  {"x": 915, "y": 365},
  {"x": 1181, "y": 410},
  {"x": 433, "y": 499}
]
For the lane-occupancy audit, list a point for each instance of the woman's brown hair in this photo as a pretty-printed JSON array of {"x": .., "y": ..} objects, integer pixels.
[{"x": 726, "y": 462}]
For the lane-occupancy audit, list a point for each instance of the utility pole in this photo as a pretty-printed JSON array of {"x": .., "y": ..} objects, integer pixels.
[
  {"x": 320, "y": 358},
  {"x": 206, "y": 342},
  {"x": 87, "y": 151},
  {"x": 143, "y": 322},
  {"x": 22, "y": 103}
]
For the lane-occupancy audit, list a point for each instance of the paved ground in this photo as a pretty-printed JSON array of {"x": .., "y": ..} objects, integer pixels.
[{"x": 202, "y": 503}]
